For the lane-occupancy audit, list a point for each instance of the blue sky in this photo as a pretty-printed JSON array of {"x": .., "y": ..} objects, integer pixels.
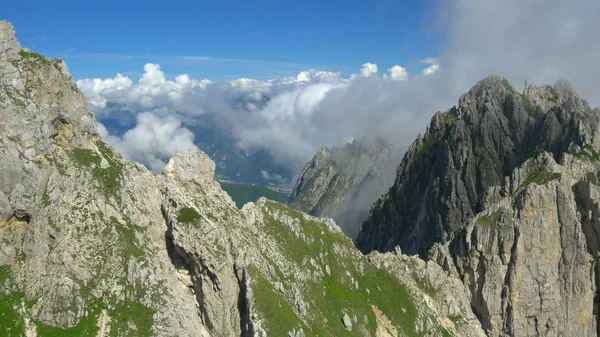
[{"x": 230, "y": 39}]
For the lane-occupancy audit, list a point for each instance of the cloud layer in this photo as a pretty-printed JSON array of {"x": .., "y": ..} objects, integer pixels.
[
  {"x": 152, "y": 141},
  {"x": 298, "y": 118},
  {"x": 535, "y": 40}
]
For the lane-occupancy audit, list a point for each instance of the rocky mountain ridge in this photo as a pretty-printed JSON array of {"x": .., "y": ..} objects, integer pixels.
[
  {"x": 502, "y": 192},
  {"x": 342, "y": 183},
  {"x": 94, "y": 245},
  {"x": 445, "y": 176}
]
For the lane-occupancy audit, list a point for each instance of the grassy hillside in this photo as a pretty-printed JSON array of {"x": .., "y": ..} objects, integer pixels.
[{"x": 244, "y": 193}]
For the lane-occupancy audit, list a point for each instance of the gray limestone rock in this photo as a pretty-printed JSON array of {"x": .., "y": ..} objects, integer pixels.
[
  {"x": 529, "y": 260},
  {"x": 445, "y": 177},
  {"x": 347, "y": 322},
  {"x": 501, "y": 193},
  {"x": 9, "y": 46},
  {"x": 342, "y": 183}
]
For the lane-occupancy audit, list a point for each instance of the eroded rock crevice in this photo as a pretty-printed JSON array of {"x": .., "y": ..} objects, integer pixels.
[
  {"x": 589, "y": 208},
  {"x": 246, "y": 326}
]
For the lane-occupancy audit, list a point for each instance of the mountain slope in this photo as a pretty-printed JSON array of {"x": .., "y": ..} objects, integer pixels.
[
  {"x": 502, "y": 193},
  {"x": 342, "y": 183},
  {"x": 445, "y": 176},
  {"x": 94, "y": 245},
  {"x": 530, "y": 260},
  {"x": 81, "y": 228}
]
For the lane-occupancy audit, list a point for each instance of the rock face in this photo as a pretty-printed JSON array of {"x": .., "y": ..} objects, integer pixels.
[
  {"x": 530, "y": 259},
  {"x": 445, "y": 177},
  {"x": 342, "y": 183},
  {"x": 95, "y": 245},
  {"x": 502, "y": 193},
  {"x": 81, "y": 229}
]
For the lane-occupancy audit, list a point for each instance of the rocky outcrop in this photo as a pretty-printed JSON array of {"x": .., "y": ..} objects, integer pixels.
[
  {"x": 81, "y": 231},
  {"x": 445, "y": 176},
  {"x": 502, "y": 193},
  {"x": 94, "y": 245},
  {"x": 342, "y": 183},
  {"x": 270, "y": 270},
  {"x": 530, "y": 259}
]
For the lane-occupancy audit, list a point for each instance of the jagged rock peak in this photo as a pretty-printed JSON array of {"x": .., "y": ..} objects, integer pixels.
[
  {"x": 561, "y": 93},
  {"x": 41, "y": 91},
  {"x": 191, "y": 166},
  {"x": 343, "y": 182},
  {"x": 444, "y": 177},
  {"x": 504, "y": 187},
  {"x": 9, "y": 46}
]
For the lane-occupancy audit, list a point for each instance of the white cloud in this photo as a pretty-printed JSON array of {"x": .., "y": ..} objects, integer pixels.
[
  {"x": 249, "y": 84},
  {"x": 153, "y": 91},
  {"x": 273, "y": 177},
  {"x": 534, "y": 40},
  {"x": 521, "y": 40},
  {"x": 431, "y": 69},
  {"x": 152, "y": 141},
  {"x": 368, "y": 69},
  {"x": 314, "y": 75},
  {"x": 397, "y": 73},
  {"x": 99, "y": 91},
  {"x": 429, "y": 60}
]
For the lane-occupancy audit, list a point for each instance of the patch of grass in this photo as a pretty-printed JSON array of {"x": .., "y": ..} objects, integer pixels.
[
  {"x": 586, "y": 152},
  {"x": 108, "y": 178},
  {"x": 188, "y": 215},
  {"x": 291, "y": 243},
  {"x": 131, "y": 319},
  {"x": 592, "y": 178},
  {"x": 127, "y": 237},
  {"x": 336, "y": 293},
  {"x": 35, "y": 57},
  {"x": 32, "y": 58},
  {"x": 490, "y": 220},
  {"x": 537, "y": 174},
  {"x": 87, "y": 327},
  {"x": 85, "y": 157},
  {"x": 57, "y": 64},
  {"x": 126, "y": 319},
  {"x": 244, "y": 193},
  {"x": 428, "y": 145},
  {"x": 277, "y": 314},
  {"x": 526, "y": 103},
  {"x": 46, "y": 199},
  {"x": 11, "y": 321},
  {"x": 540, "y": 177},
  {"x": 5, "y": 274},
  {"x": 535, "y": 153},
  {"x": 449, "y": 117}
]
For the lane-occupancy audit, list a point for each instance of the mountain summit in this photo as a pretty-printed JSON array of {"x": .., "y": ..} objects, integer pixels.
[
  {"x": 342, "y": 183},
  {"x": 446, "y": 176},
  {"x": 503, "y": 193}
]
